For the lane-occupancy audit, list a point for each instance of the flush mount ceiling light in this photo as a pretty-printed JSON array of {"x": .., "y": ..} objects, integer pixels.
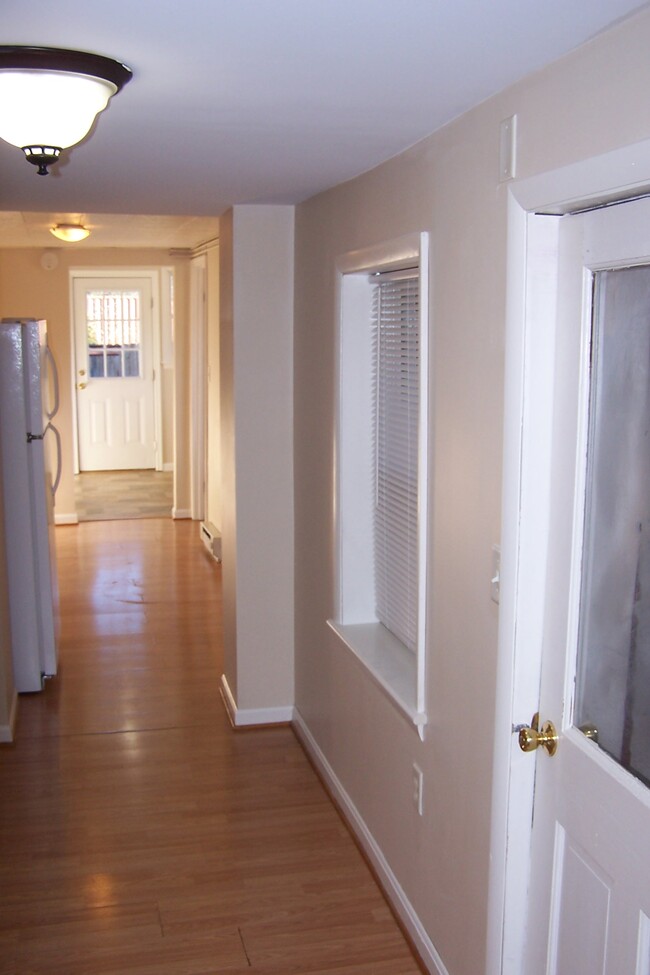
[
  {"x": 49, "y": 98},
  {"x": 70, "y": 232}
]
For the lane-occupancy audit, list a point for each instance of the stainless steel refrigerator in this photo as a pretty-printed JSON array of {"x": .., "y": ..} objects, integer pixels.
[{"x": 30, "y": 460}]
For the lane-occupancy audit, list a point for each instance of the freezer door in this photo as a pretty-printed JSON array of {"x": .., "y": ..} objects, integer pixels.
[
  {"x": 28, "y": 501},
  {"x": 18, "y": 512}
]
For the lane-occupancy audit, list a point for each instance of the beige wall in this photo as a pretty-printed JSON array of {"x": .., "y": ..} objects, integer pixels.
[
  {"x": 228, "y": 469},
  {"x": 256, "y": 246},
  {"x": 28, "y": 290},
  {"x": 447, "y": 185}
]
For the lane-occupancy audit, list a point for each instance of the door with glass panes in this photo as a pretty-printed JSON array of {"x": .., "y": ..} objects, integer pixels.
[
  {"x": 114, "y": 373},
  {"x": 589, "y": 907}
]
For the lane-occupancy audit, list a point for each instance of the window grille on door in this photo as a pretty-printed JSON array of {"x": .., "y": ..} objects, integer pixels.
[{"x": 113, "y": 334}]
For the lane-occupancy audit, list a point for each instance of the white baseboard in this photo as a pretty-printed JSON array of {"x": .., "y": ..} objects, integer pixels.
[
  {"x": 66, "y": 519},
  {"x": 168, "y": 466},
  {"x": 179, "y": 513},
  {"x": 247, "y": 717},
  {"x": 8, "y": 731},
  {"x": 402, "y": 906}
]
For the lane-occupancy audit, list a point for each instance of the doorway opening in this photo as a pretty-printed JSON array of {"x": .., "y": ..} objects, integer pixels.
[{"x": 122, "y": 350}]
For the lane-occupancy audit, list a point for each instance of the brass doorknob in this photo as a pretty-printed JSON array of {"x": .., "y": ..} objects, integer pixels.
[
  {"x": 81, "y": 385},
  {"x": 531, "y": 738}
]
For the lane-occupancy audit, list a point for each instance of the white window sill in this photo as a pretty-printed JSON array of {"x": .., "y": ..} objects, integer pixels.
[{"x": 391, "y": 665}]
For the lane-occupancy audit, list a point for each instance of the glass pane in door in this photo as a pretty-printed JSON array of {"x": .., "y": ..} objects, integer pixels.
[
  {"x": 613, "y": 680},
  {"x": 113, "y": 329}
]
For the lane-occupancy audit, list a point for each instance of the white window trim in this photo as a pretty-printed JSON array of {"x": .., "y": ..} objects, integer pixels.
[{"x": 400, "y": 674}]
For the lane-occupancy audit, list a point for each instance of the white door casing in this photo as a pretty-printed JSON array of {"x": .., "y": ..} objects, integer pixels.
[
  {"x": 118, "y": 417},
  {"x": 198, "y": 386},
  {"x": 520, "y": 902}
]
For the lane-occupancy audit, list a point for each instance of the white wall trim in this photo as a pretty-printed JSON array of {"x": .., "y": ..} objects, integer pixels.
[
  {"x": 247, "y": 717},
  {"x": 389, "y": 882},
  {"x": 617, "y": 175},
  {"x": 8, "y": 731},
  {"x": 180, "y": 513},
  {"x": 66, "y": 519},
  {"x": 396, "y": 253}
]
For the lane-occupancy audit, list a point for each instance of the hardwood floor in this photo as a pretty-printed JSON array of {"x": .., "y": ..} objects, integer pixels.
[{"x": 139, "y": 834}]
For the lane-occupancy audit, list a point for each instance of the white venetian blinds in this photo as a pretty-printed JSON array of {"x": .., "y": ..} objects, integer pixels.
[{"x": 396, "y": 411}]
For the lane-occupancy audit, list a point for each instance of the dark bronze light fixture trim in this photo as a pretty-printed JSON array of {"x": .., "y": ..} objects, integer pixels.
[{"x": 60, "y": 59}]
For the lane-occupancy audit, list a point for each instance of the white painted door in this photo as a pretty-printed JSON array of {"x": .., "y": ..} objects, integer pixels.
[
  {"x": 114, "y": 373},
  {"x": 589, "y": 907}
]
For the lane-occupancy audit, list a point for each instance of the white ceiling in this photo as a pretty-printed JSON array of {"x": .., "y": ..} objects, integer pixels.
[{"x": 266, "y": 101}]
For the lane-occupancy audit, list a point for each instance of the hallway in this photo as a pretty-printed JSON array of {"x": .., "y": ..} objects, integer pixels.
[{"x": 139, "y": 834}]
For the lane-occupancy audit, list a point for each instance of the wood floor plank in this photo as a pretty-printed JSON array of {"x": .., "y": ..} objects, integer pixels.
[{"x": 138, "y": 833}]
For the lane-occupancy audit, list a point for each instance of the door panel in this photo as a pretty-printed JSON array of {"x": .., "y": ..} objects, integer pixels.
[
  {"x": 590, "y": 859},
  {"x": 98, "y": 424},
  {"x": 114, "y": 359},
  {"x": 580, "y": 910}
]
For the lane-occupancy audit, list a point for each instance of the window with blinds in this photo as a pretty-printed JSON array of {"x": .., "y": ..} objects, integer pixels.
[
  {"x": 382, "y": 449},
  {"x": 396, "y": 353}
]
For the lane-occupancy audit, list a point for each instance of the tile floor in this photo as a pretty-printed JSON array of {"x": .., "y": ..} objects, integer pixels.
[{"x": 114, "y": 495}]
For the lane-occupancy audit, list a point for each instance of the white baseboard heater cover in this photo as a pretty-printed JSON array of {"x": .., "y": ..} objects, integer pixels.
[{"x": 211, "y": 537}]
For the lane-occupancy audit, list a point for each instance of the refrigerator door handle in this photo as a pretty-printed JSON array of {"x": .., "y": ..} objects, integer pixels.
[
  {"x": 53, "y": 371},
  {"x": 59, "y": 466}
]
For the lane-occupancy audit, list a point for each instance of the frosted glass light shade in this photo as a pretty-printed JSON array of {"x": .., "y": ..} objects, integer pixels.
[
  {"x": 54, "y": 108},
  {"x": 70, "y": 232},
  {"x": 50, "y": 97}
]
